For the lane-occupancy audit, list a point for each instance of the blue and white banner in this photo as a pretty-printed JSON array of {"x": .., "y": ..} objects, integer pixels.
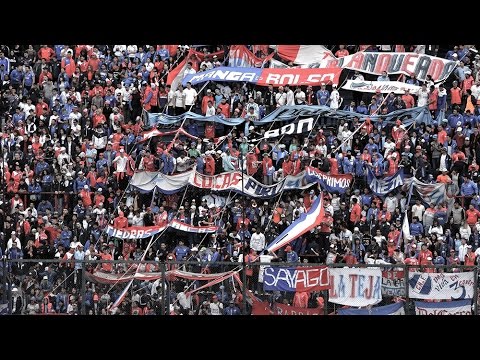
[
  {"x": 355, "y": 286},
  {"x": 301, "y": 278},
  {"x": 306, "y": 222},
  {"x": 331, "y": 183},
  {"x": 429, "y": 193},
  {"x": 268, "y": 76},
  {"x": 164, "y": 119},
  {"x": 234, "y": 74},
  {"x": 459, "y": 307},
  {"x": 392, "y": 309},
  {"x": 408, "y": 116},
  {"x": 382, "y": 187},
  {"x": 441, "y": 286}
]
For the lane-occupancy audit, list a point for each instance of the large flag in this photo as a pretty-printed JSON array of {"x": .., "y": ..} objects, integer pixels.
[
  {"x": 122, "y": 296},
  {"x": 306, "y": 54},
  {"x": 240, "y": 56},
  {"x": 176, "y": 75},
  {"x": 306, "y": 222}
]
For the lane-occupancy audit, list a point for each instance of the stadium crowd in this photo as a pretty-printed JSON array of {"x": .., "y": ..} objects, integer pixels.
[{"x": 72, "y": 120}]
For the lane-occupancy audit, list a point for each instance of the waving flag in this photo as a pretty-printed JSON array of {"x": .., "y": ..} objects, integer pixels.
[
  {"x": 176, "y": 75},
  {"x": 306, "y": 54},
  {"x": 122, "y": 296},
  {"x": 306, "y": 222},
  {"x": 240, "y": 56}
]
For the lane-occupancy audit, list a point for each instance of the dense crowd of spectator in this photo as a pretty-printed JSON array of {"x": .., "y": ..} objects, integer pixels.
[{"x": 72, "y": 119}]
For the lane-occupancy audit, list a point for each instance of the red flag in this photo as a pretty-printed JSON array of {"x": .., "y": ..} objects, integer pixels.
[{"x": 176, "y": 75}]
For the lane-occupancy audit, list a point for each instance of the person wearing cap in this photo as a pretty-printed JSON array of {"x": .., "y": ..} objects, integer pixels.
[
  {"x": 232, "y": 309},
  {"x": 205, "y": 99},
  {"x": 443, "y": 177}
]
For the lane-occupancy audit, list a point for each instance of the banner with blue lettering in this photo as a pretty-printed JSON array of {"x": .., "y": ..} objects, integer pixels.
[
  {"x": 392, "y": 309},
  {"x": 331, "y": 183},
  {"x": 459, "y": 307},
  {"x": 382, "y": 187},
  {"x": 355, "y": 286},
  {"x": 305, "y": 278}
]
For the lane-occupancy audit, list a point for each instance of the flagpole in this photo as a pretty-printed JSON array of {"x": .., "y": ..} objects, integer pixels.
[{"x": 410, "y": 191}]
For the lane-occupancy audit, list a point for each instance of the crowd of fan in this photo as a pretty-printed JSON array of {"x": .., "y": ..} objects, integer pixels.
[{"x": 72, "y": 121}]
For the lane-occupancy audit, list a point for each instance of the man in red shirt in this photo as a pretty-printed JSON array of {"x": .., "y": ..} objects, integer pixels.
[
  {"x": 224, "y": 107},
  {"x": 424, "y": 254},
  {"x": 121, "y": 221},
  {"x": 325, "y": 230},
  {"x": 355, "y": 213},
  {"x": 408, "y": 99}
]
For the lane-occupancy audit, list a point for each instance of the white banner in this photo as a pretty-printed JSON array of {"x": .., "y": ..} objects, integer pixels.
[
  {"x": 355, "y": 286},
  {"x": 460, "y": 307},
  {"x": 441, "y": 286},
  {"x": 147, "y": 181},
  {"x": 409, "y": 64},
  {"x": 385, "y": 87}
]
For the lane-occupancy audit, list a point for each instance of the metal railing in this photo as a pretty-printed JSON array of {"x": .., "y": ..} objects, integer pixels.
[{"x": 92, "y": 287}]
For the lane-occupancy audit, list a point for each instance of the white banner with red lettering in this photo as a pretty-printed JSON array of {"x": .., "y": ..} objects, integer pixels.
[
  {"x": 355, "y": 286},
  {"x": 385, "y": 87}
]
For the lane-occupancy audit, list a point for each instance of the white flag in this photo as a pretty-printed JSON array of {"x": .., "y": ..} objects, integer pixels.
[{"x": 405, "y": 229}]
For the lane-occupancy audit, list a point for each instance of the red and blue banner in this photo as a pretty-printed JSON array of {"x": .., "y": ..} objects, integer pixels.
[
  {"x": 392, "y": 309},
  {"x": 263, "y": 308},
  {"x": 141, "y": 232},
  {"x": 303, "y": 278},
  {"x": 331, "y": 183},
  {"x": 306, "y": 222},
  {"x": 267, "y": 76}
]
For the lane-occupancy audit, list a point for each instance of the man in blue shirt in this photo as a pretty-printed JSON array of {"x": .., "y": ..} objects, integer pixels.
[
  {"x": 291, "y": 255},
  {"x": 16, "y": 77},
  {"x": 323, "y": 95},
  {"x": 232, "y": 309},
  {"x": 181, "y": 251},
  {"x": 5, "y": 62},
  {"x": 468, "y": 189},
  {"x": 80, "y": 182},
  {"x": 416, "y": 228}
]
